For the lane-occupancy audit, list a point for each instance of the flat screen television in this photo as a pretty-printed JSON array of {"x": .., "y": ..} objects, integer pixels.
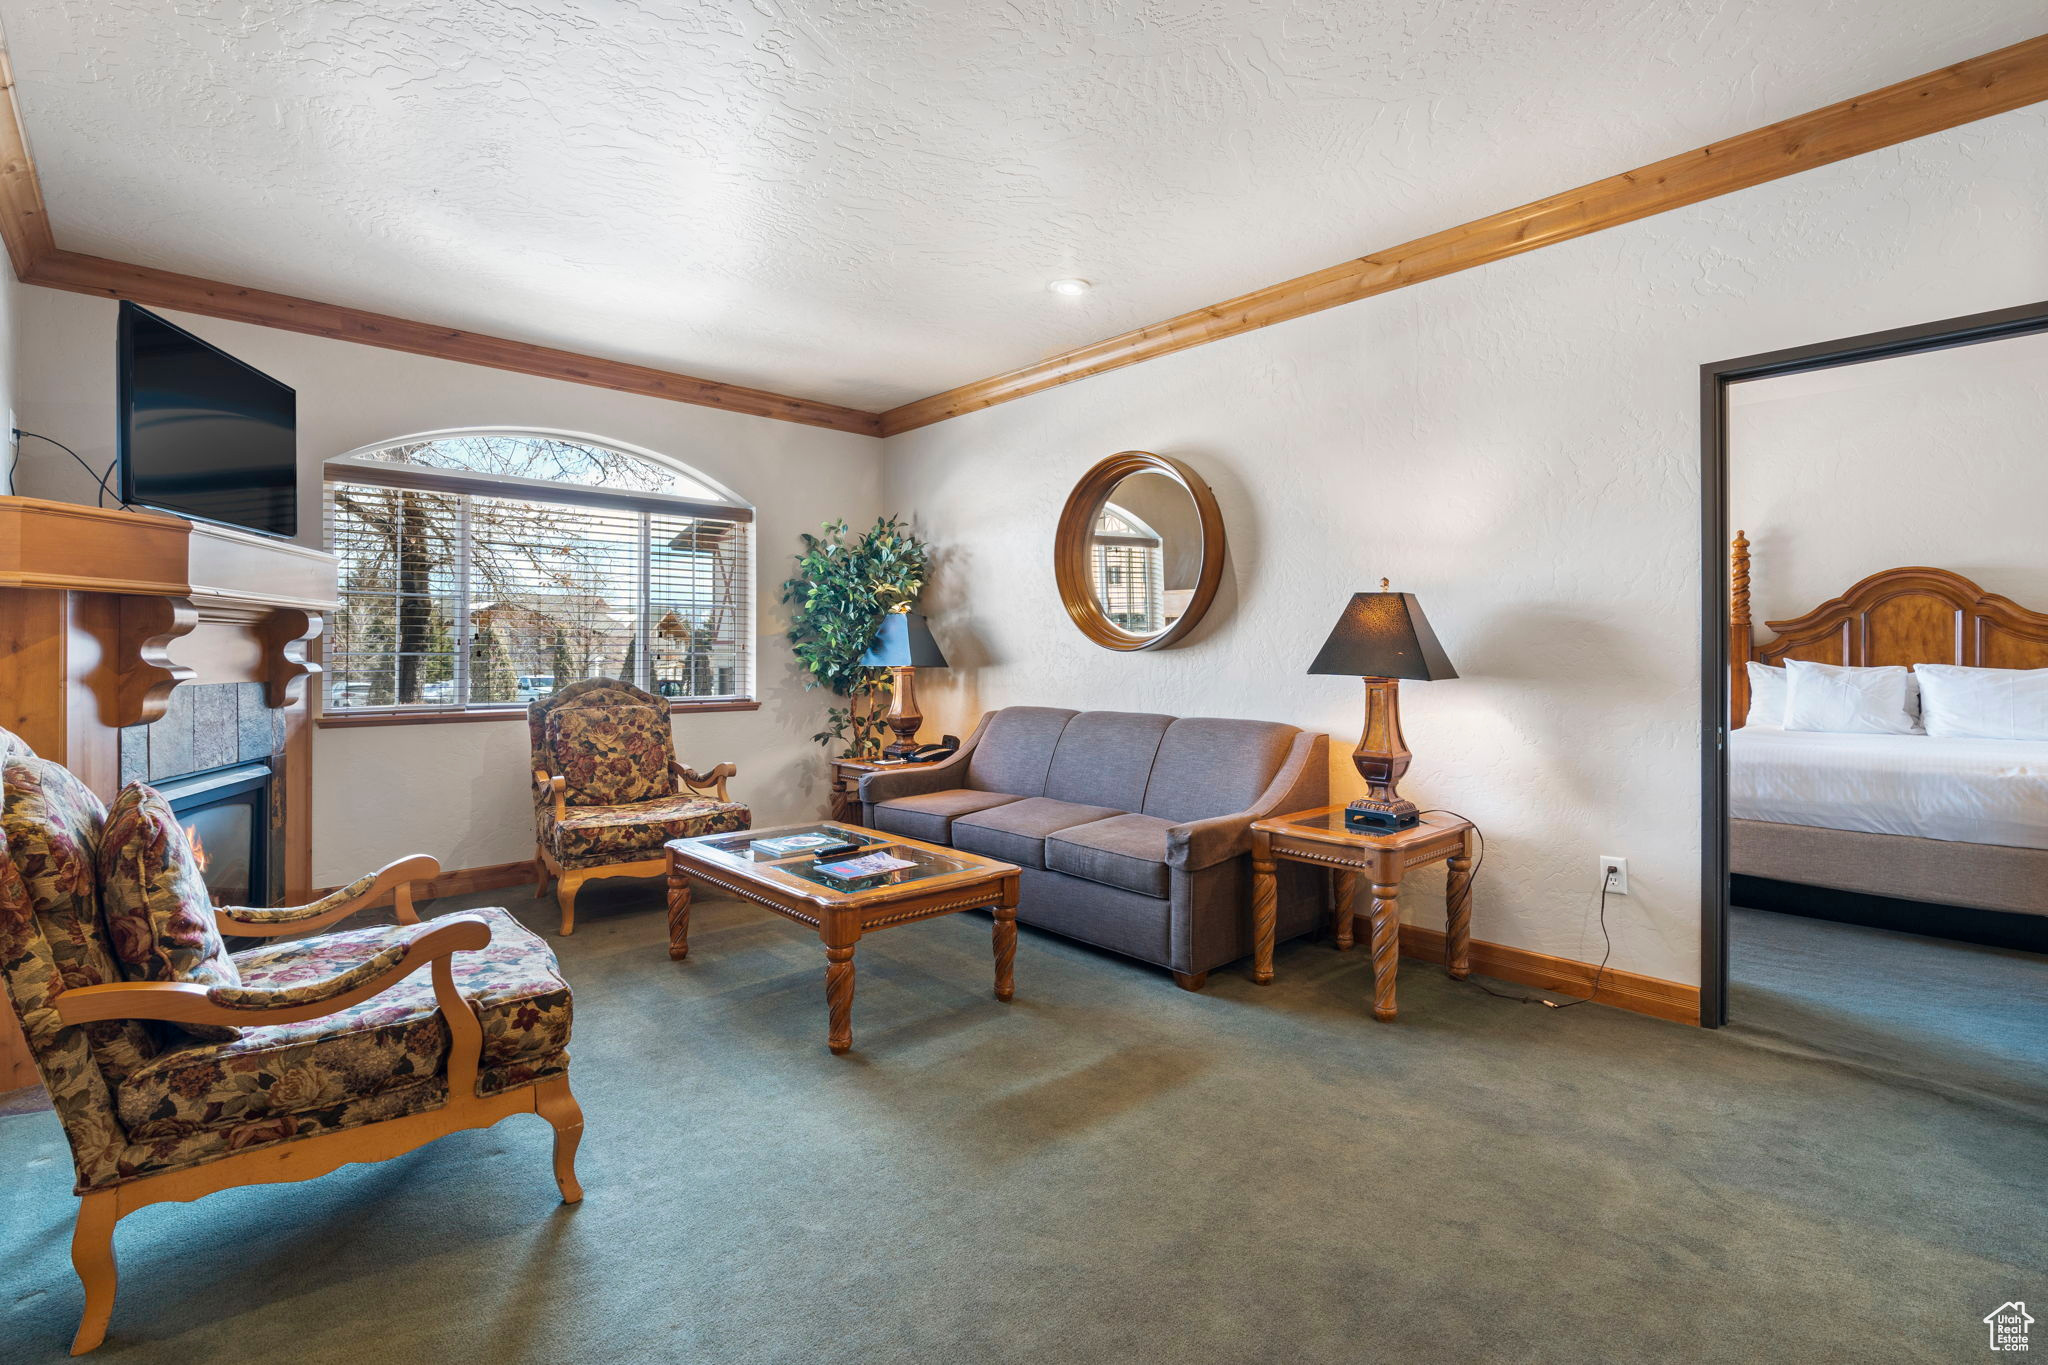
[{"x": 201, "y": 434}]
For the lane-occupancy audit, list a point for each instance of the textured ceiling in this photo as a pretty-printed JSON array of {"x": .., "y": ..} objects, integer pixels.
[{"x": 862, "y": 200}]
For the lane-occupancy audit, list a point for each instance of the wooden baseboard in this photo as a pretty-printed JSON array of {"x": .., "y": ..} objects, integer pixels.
[
  {"x": 464, "y": 880},
  {"x": 1649, "y": 995}
]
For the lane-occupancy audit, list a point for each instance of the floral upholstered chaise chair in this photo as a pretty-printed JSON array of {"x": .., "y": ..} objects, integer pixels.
[
  {"x": 607, "y": 789},
  {"x": 178, "y": 1069}
]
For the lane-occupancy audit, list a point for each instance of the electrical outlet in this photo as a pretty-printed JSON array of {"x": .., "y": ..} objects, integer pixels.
[{"x": 1615, "y": 872}]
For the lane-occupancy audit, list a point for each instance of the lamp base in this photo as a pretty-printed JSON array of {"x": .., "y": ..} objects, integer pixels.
[
  {"x": 904, "y": 717},
  {"x": 1381, "y": 817}
]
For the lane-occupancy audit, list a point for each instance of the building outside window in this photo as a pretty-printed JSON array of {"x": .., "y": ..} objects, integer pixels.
[{"x": 1129, "y": 570}]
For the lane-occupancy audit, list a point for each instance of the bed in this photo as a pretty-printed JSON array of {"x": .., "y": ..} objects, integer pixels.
[{"x": 1944, "y": 821}]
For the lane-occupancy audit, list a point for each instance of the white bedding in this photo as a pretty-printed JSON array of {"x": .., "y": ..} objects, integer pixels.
[{"x": 1976, "y": 791}]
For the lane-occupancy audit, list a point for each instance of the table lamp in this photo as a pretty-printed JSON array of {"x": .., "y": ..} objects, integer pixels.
[
  {"x": 904, "y": 645},
  {"x": 1382, "y": 637}
]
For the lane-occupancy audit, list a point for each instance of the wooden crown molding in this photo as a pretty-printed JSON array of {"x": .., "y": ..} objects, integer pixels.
[
  {"x": 189, "y": 294},
  {"x": 24, "y": 221},
  {"x": 1995, "y": 83},
  {"x": 2007, "y": 79}
]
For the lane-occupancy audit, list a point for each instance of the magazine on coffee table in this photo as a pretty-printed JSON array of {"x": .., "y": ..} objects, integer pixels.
[{"x": 856, "y": 869}]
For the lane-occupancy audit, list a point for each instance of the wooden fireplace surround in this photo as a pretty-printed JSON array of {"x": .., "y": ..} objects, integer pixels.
[{"x": 103, "y": 613}]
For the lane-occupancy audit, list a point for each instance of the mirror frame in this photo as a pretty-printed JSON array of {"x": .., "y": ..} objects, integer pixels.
[{"x": 1070, "y": 549}]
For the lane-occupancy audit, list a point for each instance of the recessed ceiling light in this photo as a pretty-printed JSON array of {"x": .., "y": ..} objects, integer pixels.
[{"x": 1072, "y": 289}]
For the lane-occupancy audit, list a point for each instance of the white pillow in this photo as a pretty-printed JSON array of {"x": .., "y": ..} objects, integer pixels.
[
  {"x": 1847, "y": 701},
  {"x": 1766, "y": 696},
  {"x": 1984, "y": 703}
]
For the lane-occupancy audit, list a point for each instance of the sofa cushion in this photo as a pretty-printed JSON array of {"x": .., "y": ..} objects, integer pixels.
[
  {"x": 153, "y": 895},
  {"x": 1208, "y": 766},
  {"x": 930, "y": 816},
  {"x": 1109, "y": 917},
  {"x": 1015, "y": 831},
  {"x": 1015, "y": 751},
  {"x": 610, "y": 755},
  {"x": 1124, "y": 850},
  {"x": 1105, "y": 757},
  {"x": 593, "y": 836},
  {"x": 53, "y": 824},
  {"x": 393, "y": 1040}
]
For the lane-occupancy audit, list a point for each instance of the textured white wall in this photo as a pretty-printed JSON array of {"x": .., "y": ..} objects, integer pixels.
[
  {"x": 1519, "y": 446},
  {"x": 459, "y": 791},
  {"x": 1937, "y": 458}
]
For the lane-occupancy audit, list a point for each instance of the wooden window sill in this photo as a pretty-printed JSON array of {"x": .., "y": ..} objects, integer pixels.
[{"x": 351, "y": 722}]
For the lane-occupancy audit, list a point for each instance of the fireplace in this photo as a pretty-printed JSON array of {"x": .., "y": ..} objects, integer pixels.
[
  {"x": 218, "y": 755},
  {"x": 226, "y": 815}
]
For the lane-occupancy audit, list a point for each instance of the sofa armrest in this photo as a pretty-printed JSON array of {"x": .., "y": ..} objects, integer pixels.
[
  {"x": 426, "y": 945},
  {"x": 1302, "y": 783},
  {"x": 394, "y": 878},
  {"x": 550, "y": 788},
  {"x": 702, "y": 784},
  {"x": 876, "y": 788},
  {"x": 182, "y": 1003}
]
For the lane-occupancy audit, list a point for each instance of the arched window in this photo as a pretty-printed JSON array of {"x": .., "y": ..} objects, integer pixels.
[
  {"x": 482, "y": 569},
  {"x": 1129, "y": 570}
]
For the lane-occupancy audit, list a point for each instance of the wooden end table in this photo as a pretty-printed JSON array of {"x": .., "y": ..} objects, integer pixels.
[
  {"x": 939, "y": 881},
  {"x": 846, "y": 776},
  {"x": 1320, "y": 837}
]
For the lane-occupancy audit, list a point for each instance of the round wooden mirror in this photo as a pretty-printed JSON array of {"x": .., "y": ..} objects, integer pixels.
[{"x": 1139, "y": 551}]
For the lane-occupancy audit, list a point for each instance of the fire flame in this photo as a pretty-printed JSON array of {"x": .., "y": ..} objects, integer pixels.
[{"x": 199, "y": 856}]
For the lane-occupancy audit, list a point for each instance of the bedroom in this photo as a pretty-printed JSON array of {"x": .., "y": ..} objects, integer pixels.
[{"x": 1888, "y": 820}]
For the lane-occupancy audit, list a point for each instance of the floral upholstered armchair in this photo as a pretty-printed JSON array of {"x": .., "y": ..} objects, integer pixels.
[
  {"x": 608, "y": 792},
  {"x": 178, "y": 1069}
]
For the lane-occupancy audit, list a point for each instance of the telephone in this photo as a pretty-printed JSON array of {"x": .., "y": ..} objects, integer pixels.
[{"x": 932, "y": 753}]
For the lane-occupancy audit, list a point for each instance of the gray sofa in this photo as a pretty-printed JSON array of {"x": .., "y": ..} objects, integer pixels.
[{"x": 1133, "y": 830}]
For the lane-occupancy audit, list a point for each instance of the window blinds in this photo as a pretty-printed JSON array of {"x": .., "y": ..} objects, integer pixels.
[{"x": 456, "y": 598}]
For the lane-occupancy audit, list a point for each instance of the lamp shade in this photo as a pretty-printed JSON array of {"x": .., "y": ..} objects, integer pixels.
[
  {"x": 904, "y": 641},
  {"x": 1383, "y": 635}
]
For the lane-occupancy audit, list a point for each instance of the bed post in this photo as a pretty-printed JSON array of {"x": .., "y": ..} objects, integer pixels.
[{"x": 1741, "y": 642}]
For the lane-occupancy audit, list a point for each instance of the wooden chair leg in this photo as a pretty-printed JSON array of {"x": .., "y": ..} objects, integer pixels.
[
  {"x": 566, "y": 886},
  {"x": 92, "y": 1256},
  {"x": 553, "y": 1102},
  {"x": 540, "y": 872},
  {"x": 1191, "y": 981}
]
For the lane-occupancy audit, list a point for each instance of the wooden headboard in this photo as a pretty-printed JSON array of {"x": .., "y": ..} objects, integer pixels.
[{"x": 1901, "y": 616}]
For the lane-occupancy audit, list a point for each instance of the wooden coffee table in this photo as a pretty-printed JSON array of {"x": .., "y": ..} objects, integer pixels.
[{"x": 939, "y": 882}]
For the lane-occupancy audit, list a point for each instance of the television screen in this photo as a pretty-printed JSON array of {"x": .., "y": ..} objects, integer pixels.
[{"x": 203, "y": 435}]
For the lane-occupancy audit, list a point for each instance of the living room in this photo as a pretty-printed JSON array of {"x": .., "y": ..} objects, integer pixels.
[{"x": 853, "y": 571}]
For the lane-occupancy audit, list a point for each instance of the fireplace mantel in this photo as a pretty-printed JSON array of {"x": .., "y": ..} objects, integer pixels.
[
  {"x": 104, "y": 613},
  {"x": 247, "y": 602}
]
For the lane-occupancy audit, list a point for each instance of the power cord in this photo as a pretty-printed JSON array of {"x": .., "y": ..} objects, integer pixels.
[
  {"x": 1607, "y": 950},
  {"x": 100, "y": 479}
]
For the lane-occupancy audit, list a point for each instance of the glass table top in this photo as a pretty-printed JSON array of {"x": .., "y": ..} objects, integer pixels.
[{"x": 769, "y": 853}]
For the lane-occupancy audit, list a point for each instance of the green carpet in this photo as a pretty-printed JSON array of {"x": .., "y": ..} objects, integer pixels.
[
  {"x": 1108, "y": 1169},
  {"x": 1961, "y": 1019}
]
